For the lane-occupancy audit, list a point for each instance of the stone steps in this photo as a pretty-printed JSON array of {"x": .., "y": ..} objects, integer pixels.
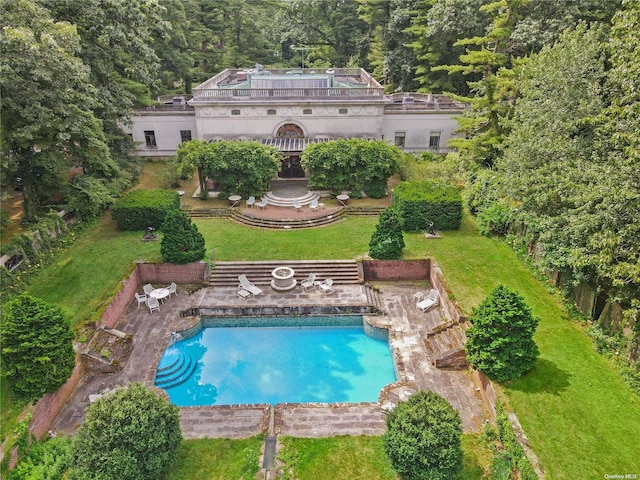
[
  {"x": 241, "y": 216},
  {"x": 446, "y": 340},
  {"x": 373, "y": 297},
  {"x": 369, "y": 211},
  {"x": 208, "y": 212},
  {"x": 278, "y": 201},
  {"x": 225, "y": 274}
]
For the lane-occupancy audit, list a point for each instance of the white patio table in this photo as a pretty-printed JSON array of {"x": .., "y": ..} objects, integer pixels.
[{"x": 159, "y": 293}]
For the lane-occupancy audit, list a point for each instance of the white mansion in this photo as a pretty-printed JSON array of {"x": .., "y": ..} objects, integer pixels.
[{"x": 289, "y": 109}]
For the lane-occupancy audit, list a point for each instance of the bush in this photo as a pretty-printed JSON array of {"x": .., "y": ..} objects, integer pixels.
[
  {"x": 144, "y": 208},
  {"x": 422, "y": 439},
  {"x": 387, "y": 240},
  {"x": 37, "y": 349},
  {"x": 495, "y": 219},
  {"x": 376, "y": 189},
  {"x": 181, "y": 242},
  {"x": 5, "y": 220},
  {"x": 500, "y": 341},
  {"x": 47, "y": 460},
  {"x": 419, "y": 203},
  {"x": 130, "y": 434}
]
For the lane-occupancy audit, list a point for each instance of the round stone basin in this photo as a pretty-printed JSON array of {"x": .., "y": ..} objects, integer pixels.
[{"x": 283, "y": 279}]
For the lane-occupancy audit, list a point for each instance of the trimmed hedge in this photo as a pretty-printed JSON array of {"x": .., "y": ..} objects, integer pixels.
[
  {"x": 144, "y": 208},
  {"x": 419, "y": 203}
]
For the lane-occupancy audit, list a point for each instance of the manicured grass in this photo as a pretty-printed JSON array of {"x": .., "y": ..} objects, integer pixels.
[
  {"x": 217, "y": 459},
  {"x": 581, "y": 419},
  {"x": 230, "y": 241},
  {"x": 355, "y": 458},
  {"x": 88, "y": 273}
]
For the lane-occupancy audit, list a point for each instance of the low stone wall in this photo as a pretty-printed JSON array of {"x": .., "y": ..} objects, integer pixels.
[
  {"x": 451, "y": 311},
  {"x": 190, "y": 273},
  {"x": 396, "y": 269},
  {"x": 48, "y": 407},
  {"x": 121, "y": 300}
]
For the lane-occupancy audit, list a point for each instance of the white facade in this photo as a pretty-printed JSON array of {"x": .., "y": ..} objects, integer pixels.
[{"x": 303, "y": 104}]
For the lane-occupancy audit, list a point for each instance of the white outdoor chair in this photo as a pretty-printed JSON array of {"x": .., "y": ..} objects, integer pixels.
[
  {"x": 309, "y": 282},
  {"x": 173, "y": 288},
  {"x": 429, "y": 301},
  {"x": 148, "y": 288},
  {"x": 418, "y": 296},
  {"x": 263, "y": 203},
  {"x": 327, "y": 286},
  {"x": 141, "y": 299},
  {"x": 245, "y": 284},
  {"x": 251, "y": 201},
  {"x": 313, "y": 205},
  {"x": 297, "y": 207},
  {"x": 153, "y": 304}
]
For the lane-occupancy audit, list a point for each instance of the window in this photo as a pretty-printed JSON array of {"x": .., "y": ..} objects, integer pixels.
[
  {"x": 399, "y": 138},
  {"x": 306, "y": 111},
  {"x": 343, "y": 111},
  {"x": 271, "y": 111},
  {"x": 434, "y": 140},
  {"x": 185, "y": 135},
  {"x": 150, "y": 138},
  {"x": 235, "y": 111}
]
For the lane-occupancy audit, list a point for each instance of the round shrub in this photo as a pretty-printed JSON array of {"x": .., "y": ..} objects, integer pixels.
[
  {"x": 422, "y": 439},
  {"x": 129, "y": 434}
]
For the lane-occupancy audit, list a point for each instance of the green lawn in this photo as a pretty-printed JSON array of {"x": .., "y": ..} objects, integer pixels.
[{"x": 580, "y": 418}]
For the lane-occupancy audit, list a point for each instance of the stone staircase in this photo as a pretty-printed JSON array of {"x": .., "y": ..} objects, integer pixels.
[
  {"x": 369, "y": 211},
  {"x": 445, "y": 344},
  {"x": 225, "y": 274},
  {"x": 289, "y": 222},
  {"x": 278, "y": 201},
  {"x": 208, "y": 212},
  {"x": 373, "y": 297}
]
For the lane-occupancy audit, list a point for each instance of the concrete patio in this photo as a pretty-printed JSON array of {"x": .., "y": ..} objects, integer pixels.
[{"x": 407, "y": 328}]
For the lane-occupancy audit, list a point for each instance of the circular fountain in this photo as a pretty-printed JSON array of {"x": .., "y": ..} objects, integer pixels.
[{"x": 283, "y": 279}]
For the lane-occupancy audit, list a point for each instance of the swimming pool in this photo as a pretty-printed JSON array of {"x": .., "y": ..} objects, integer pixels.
[{"x": 227, "y": 365}]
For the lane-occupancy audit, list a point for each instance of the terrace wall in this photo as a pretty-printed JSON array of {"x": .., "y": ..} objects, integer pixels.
[{"x": 396, "y": 269}]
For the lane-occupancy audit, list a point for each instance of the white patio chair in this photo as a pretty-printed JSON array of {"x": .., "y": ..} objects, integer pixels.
[
  {"x": 251, "y": 201},
  {"x": 245, "y": 284},
  {"x": 153, "y": 304},
  {"x": 429, "y": 301},
  {"x": 297, "y": 207},
  {"x": 141, "y": 299},
  {"x": 148, "y": 288},
  {"x": 327, "y": 286},
  {"x": 309, "y": 282},
  {"x": 263, "y": 203},
  {"x": 173, "y": 288},
  {"x": 313, "y": 205},
  {"x": 417, "y": 296}
]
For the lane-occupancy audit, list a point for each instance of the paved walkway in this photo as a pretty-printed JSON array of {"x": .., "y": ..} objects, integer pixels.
[{"x": 407, "y": 326}]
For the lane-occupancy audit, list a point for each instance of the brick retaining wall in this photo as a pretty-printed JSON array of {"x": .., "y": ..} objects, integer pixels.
[
  {"x": 48, "y": 407},
  {"x": 396, "y": 269},
  {"x": 190, "y": 273}
]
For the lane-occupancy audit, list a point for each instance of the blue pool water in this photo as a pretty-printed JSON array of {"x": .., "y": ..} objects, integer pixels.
[{"x": 236, "y": 365}]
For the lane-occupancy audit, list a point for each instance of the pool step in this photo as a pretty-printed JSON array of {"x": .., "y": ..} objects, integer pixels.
[{"x": 177, "y": 372}]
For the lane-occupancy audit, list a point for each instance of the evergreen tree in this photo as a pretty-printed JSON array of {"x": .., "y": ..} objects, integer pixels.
[
  {"x": 181, "y": 242},
  {"x": 37, "y": 349},
  {"x": 500, "y": 342},
  {"x": 387, "y": 240}
]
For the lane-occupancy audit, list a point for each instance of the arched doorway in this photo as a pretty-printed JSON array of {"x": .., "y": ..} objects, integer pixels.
[{"x": 291, "y": 166}]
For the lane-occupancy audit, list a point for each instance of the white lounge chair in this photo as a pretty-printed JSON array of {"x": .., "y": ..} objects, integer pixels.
[
  {"x": 153, "y": 304},
  {"x": 245, "y": 284},
  {"x": 251, "y": 201},
  {"x": 148, "y": 288},
  {"x": 309, "y": 282},
  {"x": 327, "y": 286},
  {"x": 141, "y": 299},
  {"x": 429, "y": 301},
  {"x": 173, "y": 288},
  {"x": 313, "y": 205}
]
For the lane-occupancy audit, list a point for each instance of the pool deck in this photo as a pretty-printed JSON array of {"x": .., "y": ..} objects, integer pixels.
[{"x": 407, "y": 326}]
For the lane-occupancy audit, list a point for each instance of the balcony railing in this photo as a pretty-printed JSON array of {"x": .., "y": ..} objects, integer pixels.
[{"x": 218, "y": 94}]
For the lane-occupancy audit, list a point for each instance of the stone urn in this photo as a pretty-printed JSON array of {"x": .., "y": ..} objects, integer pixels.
[{"x": 283, "y": 279}]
